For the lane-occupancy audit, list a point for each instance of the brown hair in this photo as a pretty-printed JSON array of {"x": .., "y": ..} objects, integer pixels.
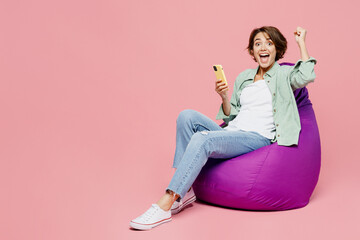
[{"x": 275, "y": 35}]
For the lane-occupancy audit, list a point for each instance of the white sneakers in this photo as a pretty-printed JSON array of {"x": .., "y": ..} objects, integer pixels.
[
  {"x": 153, "y": 217},
  {"x": 188, "y": 198}
]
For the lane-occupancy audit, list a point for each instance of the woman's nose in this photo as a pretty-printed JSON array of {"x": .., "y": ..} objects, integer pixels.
[{"x": 263, "y": 46}]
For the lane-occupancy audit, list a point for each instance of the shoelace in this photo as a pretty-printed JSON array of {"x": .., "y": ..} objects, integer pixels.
[{"x": 149, "y": 213}]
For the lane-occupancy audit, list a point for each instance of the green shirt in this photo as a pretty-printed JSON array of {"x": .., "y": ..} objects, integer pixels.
[{"x": 282, "y": 81}]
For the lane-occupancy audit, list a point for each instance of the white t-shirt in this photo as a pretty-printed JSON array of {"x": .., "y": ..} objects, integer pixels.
[{"x": 256, "y": 111}]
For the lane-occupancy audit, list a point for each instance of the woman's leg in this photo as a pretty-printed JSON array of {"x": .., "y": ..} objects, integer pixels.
[
  {"x": 211, "y": 144},
  {"x": 202, "y": 145},
  {"x": 187, "y": 124}
]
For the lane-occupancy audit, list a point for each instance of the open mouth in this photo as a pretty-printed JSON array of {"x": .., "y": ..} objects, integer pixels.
[{"x": 264, "y": 57}]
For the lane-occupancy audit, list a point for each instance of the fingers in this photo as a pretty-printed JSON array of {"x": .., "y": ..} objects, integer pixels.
[
  {"x": 222, "y": 89},
  {"x": 220, "y": 83},
  {"x": 300, "y": 34},
  {"x": 300, "y": 31}
]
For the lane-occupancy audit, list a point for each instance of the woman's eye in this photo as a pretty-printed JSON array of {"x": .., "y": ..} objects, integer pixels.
[
  {"x": 270, "y": 43},
  {"x": 257, "y": 44}
]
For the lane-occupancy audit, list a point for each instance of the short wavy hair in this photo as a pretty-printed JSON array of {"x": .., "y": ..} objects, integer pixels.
[{"x": 275, "y": 35}]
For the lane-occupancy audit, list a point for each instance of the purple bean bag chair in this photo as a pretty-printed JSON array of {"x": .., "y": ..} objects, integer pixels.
[{"x": 270, "y": 178}]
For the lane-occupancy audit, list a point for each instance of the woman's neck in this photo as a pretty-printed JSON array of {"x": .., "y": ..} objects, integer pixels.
[{"x": 262, "y": 71}]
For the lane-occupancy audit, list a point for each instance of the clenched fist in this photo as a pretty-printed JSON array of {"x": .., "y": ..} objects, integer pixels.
[{"x": 300, "y": 34}]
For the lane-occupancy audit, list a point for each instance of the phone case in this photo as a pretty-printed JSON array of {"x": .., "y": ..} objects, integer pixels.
[{"x": 219, "y": 73}]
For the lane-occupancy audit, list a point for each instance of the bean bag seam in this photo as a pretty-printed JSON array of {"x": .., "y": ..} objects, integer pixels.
[{"x": 258, "y": 173}]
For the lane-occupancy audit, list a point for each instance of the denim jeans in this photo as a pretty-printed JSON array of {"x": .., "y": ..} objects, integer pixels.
[{"x": 199, "y": 138}]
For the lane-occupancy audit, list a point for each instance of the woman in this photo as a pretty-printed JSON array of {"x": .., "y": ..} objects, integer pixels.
[{"x": 262, "y": 110}]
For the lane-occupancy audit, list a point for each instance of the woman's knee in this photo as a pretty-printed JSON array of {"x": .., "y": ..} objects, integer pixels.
[{"x": 185, "y": 116}]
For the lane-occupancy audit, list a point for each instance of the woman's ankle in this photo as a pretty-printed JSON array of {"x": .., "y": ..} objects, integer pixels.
[{"x": 167, "y": 200}]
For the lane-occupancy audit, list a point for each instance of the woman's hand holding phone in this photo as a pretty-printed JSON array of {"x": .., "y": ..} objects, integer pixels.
[{"x": 222, "y": 88}]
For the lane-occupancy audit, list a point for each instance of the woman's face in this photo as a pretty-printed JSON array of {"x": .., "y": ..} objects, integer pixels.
[{"x": 264, "y": 50}]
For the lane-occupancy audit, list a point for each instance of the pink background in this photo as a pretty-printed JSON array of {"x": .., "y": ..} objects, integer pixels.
[{"x": 89, "y": 96}]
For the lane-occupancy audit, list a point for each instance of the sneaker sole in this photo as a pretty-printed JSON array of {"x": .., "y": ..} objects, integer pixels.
[
  {"x": 181, "y": 207},
  {"x": 140, "y": 226}
]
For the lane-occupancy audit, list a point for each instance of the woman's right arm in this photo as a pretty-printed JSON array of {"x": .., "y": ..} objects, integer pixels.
[
  {"x": 228, "y": 110},
  {"x": 222, "y": 89},
  {"x": 226, "y": 106}
]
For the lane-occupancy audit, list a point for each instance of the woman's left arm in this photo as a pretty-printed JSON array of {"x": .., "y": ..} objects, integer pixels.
[{"x": 303, "y": 71}]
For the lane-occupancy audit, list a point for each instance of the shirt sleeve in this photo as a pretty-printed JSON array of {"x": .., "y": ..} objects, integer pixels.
[
  {"x": 234, "y": 105},
  {"x": 302, "y": 73}
]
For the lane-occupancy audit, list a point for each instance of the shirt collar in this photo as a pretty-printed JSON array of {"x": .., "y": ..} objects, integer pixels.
[{"x": 271, "y": 72}]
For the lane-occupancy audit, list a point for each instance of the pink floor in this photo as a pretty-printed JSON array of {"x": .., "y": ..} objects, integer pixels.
[{"x": 95, "y": 199}]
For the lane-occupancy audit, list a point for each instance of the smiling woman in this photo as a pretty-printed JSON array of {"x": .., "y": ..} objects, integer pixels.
[
  {"x": 262, "y": 110},
  {"x": 266, "y": 45}
]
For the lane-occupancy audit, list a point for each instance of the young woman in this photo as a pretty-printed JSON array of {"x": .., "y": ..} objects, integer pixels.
[{"x": 262, "y": 110}]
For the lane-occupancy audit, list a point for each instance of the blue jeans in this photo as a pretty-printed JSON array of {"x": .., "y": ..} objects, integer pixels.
[{"x": 199, "y": 138}]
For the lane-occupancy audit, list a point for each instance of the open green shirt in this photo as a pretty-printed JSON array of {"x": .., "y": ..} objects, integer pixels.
[{"x": 282, "y": 81}]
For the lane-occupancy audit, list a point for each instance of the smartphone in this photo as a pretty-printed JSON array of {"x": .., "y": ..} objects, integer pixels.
[{"x": 219, "y": 72}]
